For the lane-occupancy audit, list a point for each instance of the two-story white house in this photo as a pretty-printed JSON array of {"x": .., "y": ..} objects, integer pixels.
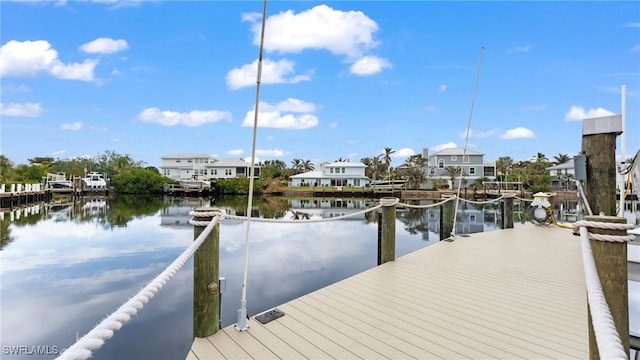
[
  {"x": 204, "y": 167},
  {"x": 562, "y": 176},
  {"x": 333, "y": 174},
  {"x": 472, "y": 163}
]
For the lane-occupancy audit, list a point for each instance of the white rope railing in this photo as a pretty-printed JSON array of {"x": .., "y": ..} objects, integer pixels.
[
  {"x": 94, "y": 339},
  {"x": 607, "y": 336}
]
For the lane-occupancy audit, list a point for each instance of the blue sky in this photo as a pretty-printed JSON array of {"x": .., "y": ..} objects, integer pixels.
[{"x": 340, "y": 79}]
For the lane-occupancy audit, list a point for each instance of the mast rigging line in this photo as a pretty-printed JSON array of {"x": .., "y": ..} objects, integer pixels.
[
  {"x": 466, "y": 140},
  {"x": 241, "y": 324}
]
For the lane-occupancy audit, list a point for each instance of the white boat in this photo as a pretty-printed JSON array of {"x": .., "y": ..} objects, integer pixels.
[
  {"x": 195, "y": 184},
  {"x": 388, "y": 184},
  {"x": 94, "y": 181},
  {"x": 58, "y": 181}
]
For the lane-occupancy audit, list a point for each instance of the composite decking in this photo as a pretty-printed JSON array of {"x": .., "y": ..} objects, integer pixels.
[{"x": 507, "y": 294}]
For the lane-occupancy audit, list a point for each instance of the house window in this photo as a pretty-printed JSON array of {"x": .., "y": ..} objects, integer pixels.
[
  {"x": 466, "y": 158},
  {"x": 227, "y": 172},
  {"x": 441, "y": 164},
  {"x": 331, "y": 170},
  {"x": 454, "y": 157},
  {"x": 472, "y": 171},
  {"x": 343, "y": 170},
  {"x": 189, "y": 161},
  {"x": 177, "y": 161},
  {"x": 472, "y": 217},
  {"x": 215, "y": 171},
  {"x": 432, "y": 171}
]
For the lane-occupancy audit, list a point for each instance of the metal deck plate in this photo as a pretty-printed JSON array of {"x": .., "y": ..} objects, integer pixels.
[{"x": 269, "y": 316}]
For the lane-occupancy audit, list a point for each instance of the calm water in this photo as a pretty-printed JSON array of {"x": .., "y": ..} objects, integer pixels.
[{"x": 66, "y": 266}]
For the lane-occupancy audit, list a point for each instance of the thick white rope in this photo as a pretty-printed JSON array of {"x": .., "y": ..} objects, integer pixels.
[
  {"x": 287, "y": 221},
  {"x": 607, "y": 336},
  {"x": 523, "y": 199},
  {"x": 606, "y": 226},
  {"x": 484, "y": 202},
  {"x": 94, "y": 339}
]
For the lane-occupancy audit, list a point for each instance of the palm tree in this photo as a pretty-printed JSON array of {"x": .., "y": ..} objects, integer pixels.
[
  {"x": 540, "y": 157},
  {"x": 387, "y": 159},
  {"x": 296, "y": 164},
  {"x": 307, "y": 165},
  {"x": 453, "y": 172},
  {"x": 504, "y": 164},
  {"x": 561, "y": 158}
]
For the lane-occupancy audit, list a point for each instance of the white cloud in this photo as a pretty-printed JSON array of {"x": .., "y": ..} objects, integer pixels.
[
  {"x": 273, "y": 72},
  {"x": 193, "y": 118},
  {"x": 236, "y": 152},
  {"x": 442, "y": 88},
  {"x": 404, "y": 152},
  {"x": 520, "y": 49},
  {"x": 32, "y": 58},
  {"x": 369, "y": 65},
  {"x": 518, "y": 133},
  {"x": 288, "y": 114},
  {"x": 75, "y": 126},
  {"x": 270, "y": 152},
  {"x": 478, "y": 134},
  {"x": 347, "y": 33},
  {"x": 636, "y": 48},
  {"x": 633, "y": 24},
  {"x": 448, "y": 145},
  {"x": 577, "y": 113},
  {"x": 21, "y": 110},
  {"x": 104, "y": 46},
  {"x": 333, "y": 125}
]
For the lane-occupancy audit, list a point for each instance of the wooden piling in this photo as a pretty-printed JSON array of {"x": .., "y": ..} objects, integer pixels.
[
  {"x": 508, "y": 212},
  {"x": 611, "y": 263},
  {"x": 388, "y": 230},
  {"x": 206, "y": 268},
  {"x": 447, "y": 212},
  {"x": 599, "y": 146}
]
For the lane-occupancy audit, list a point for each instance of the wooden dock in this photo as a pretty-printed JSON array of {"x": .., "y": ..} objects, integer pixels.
[{"x": 507, "y": 294}]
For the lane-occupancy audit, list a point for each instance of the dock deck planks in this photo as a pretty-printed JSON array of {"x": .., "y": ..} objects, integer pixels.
[{"x": 507, "y": 294}]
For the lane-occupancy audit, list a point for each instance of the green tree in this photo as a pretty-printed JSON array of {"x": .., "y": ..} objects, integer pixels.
[
  {"x": 307, "y": 165},
  {"x": 139, "y": 181},
  {"x": 415, "y": 175},
  {"x": 504, "y": 164},
  {"x": 6, "y": 169},
  {"x": 540, "y": 157},
  {"x": 30, "y": 173},
  {"x": 561, "y": 158},
  {"x": 387, "y": 159},
  {"x": 453, "y": 172}
]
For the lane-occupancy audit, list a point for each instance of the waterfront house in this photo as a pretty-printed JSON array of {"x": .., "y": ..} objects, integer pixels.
[
  {"x": 204, "y": 167},
  {"x": 472, "y": 163},
  {"x": 339, "y": 173},
  {"x": 562, "y": 176}
]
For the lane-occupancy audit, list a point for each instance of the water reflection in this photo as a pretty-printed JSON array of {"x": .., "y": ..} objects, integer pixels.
[{"x": 66, "y": 265}]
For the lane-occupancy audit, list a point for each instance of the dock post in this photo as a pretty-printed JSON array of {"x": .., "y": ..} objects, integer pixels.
[
  {"x": 388, "y": 242},
  {"x": 447, "y": 212},
  {"x": 508, "y": 211},
  {"x": 611, "y": 262},
  {"x": 206, "y": 273},
  {"x": 599, "y": 146}
]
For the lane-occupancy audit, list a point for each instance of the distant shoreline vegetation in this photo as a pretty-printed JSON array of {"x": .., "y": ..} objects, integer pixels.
[{"x": 128, "y": 176}]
